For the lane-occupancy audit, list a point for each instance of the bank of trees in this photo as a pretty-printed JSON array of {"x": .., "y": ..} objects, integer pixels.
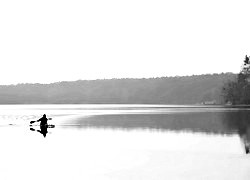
[
  {"x": 238, "y": 91},
  {"x": 164, "y": 90}
]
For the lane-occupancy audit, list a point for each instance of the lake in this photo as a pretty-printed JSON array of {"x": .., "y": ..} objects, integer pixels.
[{"x": 121, "y": 142}]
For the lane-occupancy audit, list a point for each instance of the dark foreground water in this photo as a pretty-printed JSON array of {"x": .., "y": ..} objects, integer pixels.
[{"x": 125, "y": 142}]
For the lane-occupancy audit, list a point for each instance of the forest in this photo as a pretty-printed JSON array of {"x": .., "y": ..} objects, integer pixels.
[
  {"x": 196, "y": 89},
  {"x": 237, "y": 91}
]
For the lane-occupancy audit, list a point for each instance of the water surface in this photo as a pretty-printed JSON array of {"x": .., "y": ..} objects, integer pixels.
[{"x": 125, "y": 142}]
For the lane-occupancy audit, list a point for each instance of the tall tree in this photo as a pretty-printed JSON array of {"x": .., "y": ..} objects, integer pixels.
[{"x": 238, "y": 92}]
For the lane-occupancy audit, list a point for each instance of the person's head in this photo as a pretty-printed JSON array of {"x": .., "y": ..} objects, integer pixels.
[{"x": 44, "y": 115}]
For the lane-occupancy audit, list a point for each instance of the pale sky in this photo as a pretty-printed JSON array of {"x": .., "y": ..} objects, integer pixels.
[{"x": 43, "y": 41}]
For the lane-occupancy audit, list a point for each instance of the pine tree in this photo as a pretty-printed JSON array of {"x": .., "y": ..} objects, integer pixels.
[{"x": 238, "y": 92}]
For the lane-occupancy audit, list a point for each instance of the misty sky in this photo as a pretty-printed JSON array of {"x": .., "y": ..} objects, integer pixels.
[{"x": 63, "y": 40}]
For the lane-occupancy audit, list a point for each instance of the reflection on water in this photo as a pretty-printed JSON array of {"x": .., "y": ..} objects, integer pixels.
[
  {"x": 125, "y": 142},
  {"x": 220, "y": 122},
  {"x": 202, "y": 119},
  {"x": 193, "y": 122},
  {"x": 240, "y": 123},
  {"x": 43, "y": 129},
  {"x": 217, "y": 120}
]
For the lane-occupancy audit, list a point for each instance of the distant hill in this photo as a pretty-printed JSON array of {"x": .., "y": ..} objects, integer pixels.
[{"x": 164, "y": 90}]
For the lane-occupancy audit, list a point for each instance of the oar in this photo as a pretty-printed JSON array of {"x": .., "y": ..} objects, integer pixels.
[{"x": 31, "y": 122}]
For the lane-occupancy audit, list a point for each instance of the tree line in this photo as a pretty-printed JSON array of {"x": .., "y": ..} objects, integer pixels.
[
  {"x": 238, "y": 91},
  {"x": 164, "y": 90}
]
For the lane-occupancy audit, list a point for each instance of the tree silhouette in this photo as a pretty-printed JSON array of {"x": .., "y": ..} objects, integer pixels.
[
  {"x": 246, "y": 61},
  {"x": 238, "y": 92}
]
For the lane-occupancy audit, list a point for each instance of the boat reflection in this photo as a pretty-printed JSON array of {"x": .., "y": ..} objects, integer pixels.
[{"x": 43, "y": 129}]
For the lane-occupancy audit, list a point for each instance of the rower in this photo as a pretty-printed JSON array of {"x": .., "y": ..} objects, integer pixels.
[{"x": 43, "y": 120}]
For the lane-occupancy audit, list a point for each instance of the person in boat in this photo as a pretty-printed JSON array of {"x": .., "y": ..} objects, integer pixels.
[
  {"x": 43, "y": 121},
  {"x": 43, "y": 125}
]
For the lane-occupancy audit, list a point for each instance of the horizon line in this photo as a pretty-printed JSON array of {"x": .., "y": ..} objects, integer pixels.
[{"x": 98, "y": 79}]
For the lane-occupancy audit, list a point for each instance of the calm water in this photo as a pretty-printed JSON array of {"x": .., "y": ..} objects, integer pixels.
[{"x": 125, "y": 142}]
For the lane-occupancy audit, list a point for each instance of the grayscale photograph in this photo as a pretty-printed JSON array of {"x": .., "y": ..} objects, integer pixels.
[{"x": 124, "y": 90}]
